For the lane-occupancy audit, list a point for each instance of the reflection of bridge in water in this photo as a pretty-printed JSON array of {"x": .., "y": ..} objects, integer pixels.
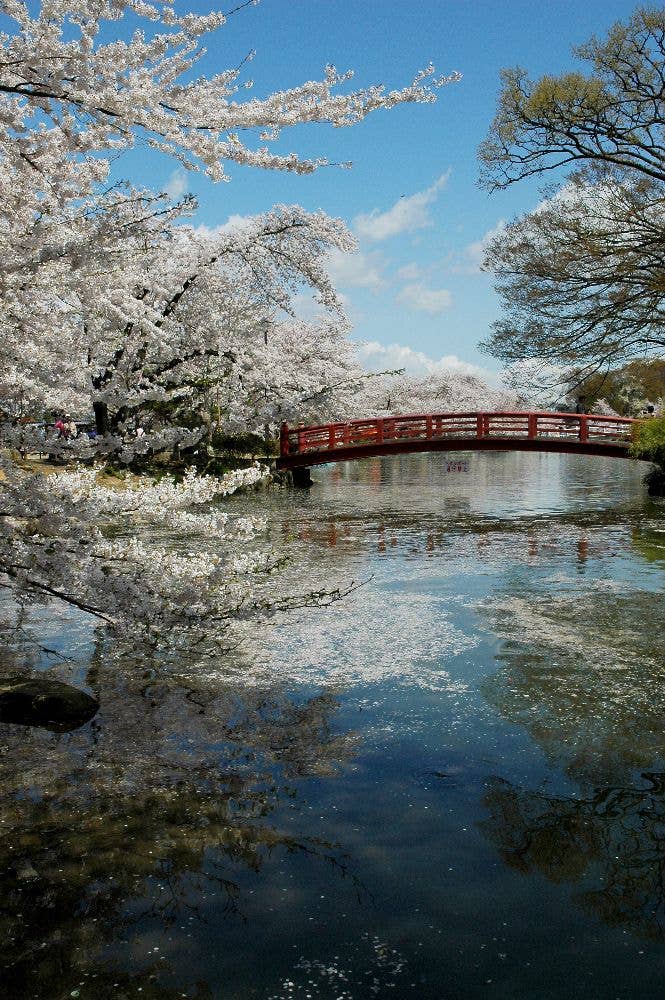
[{"x": 568, "y": 433}]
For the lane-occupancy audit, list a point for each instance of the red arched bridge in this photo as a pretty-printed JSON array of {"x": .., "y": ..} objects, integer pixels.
[{"x": 570, "y": 433}]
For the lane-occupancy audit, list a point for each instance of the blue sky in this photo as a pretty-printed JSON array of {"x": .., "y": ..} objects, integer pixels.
[{"x": 414, "y": 290}]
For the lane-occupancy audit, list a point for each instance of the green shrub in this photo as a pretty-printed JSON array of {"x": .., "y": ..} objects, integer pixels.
[
  {"x": 247, "y": 444},
  {"x": 649, "y": 440}
]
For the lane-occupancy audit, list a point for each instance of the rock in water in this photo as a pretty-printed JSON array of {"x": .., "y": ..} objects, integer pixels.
[{"x": 39, "y": 701}]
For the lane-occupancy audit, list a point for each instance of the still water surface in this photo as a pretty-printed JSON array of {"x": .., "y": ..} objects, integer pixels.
[{"x": 451, "y": 784}]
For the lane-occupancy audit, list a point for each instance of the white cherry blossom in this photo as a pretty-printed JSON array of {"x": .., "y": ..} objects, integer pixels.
[{"x": 112, "y": 301}]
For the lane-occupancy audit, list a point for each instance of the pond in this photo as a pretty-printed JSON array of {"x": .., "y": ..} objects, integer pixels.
[{"x": 448, "y": 784}]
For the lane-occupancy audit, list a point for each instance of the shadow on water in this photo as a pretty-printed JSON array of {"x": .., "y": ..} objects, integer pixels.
[{"x": 158, "y": 814}]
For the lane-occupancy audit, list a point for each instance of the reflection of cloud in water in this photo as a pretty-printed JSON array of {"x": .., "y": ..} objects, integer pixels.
[
  {"x": 373, "y": 635},
  {"x": 568, "y": 624},
  {"x": 39, "y": 634}
]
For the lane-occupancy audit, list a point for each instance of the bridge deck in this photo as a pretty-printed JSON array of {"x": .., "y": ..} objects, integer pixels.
[{"x": 571, "y": 433}]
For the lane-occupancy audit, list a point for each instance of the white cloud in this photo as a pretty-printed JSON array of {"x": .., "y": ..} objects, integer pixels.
[
  {"x": 410, "y": 272},
  {"x": 306, "y": 306},
  {"x": 406, "y": 215},
  {"x": 232, "y": 225},
  {"x": 424, "y": 299},
  {"x": 176, "y": 185},
  {"x": 356, "y": 270},
  {"x": 380, "y": 357}
]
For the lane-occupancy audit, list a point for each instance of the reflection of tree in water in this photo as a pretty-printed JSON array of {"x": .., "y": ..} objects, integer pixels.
[
  {"x": 649, "y": 541},
  {"x": 583, "y": 673},
  {"x": 615, "y": 836},
  {"x": 154, "y": 809}
]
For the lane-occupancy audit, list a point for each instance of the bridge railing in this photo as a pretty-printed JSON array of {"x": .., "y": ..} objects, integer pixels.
[{"x": 580, "y": 427}]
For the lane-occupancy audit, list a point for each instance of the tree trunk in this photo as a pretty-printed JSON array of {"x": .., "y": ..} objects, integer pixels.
[{"x": 101, "y": 417}]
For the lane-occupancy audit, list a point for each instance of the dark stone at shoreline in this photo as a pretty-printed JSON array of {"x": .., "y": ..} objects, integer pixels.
[
  {"x": 40, "y": 701},
  {"x": 655, "y": 481}
]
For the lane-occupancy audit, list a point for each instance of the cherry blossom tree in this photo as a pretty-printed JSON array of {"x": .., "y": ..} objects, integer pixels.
[
  {"x": 104, "y": 290},
  {"x": 444, "y": 391},
  {"x": 287, "y": 369}
]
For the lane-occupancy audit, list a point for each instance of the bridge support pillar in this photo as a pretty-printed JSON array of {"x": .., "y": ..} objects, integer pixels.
[{"x": 301, "y": 477}]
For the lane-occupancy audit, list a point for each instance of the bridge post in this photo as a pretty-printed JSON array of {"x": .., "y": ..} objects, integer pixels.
[
  {"x": 379, "y": 431},
  {"x": 301, "y": 478},
  {"x": 331, "y": 436},
  {"x": 584, "y": 429},
  {"x": 482, "y": 425},
  {"x": 428, "y": 427},
  {"x": 284, "y": 438},
  {"x": 533, "y": 426}
]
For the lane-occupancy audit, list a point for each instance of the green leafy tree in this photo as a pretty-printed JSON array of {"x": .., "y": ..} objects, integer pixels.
[
  {"x": 627, "y": 390},
  {"x": 649, "y": 445},
  {"x": 582, "y": 278},
  {"x": 612, "y": 116},
  {"x": 649, "y": 441}
]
